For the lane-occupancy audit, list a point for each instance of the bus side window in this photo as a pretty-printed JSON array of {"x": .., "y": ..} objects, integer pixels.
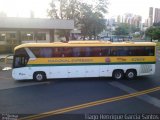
[
  {"x": 87, "y": 52},
  {"x": 149, "y": 51},
  {"x": 36, "y": 51},
  {"x": 113, "y": 51},
  {"x": 46, "y": 52},
  {"x": 58, "y": 52},
  {"x": 122, "y": 51},
  {"x": 104, "y": 51},
  {"x": 130, "y": 51},
  {"x": 96, "y": 51},
  {"x": 67, "y": 51},
  {"x": 76, "y": 52}
]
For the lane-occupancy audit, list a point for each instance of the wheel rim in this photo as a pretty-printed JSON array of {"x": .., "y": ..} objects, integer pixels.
[
  {"x": 118, "y": 75},
  {"x": 130, "y": 75},
  {"x": 39, "y": 77}
]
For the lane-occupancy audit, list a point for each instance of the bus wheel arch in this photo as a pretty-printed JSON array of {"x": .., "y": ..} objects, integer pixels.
[
  {"x": 131, "y": 73},
  {"x": 118, "y": 74},
  {"x": 39, "y": 76}
]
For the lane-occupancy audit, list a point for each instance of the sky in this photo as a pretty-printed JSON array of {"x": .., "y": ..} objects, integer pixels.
[
  {"x": 22, "y": 8},
  {"x": 137, "y": 7}
]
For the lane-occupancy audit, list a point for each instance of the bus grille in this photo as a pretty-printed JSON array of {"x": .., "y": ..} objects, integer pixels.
[{"x": 146, "y": 68}]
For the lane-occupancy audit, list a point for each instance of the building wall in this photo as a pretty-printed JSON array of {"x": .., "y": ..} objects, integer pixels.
[
  {"x": 36, "y": 40},
  {"x": 157, "y": 15},
  {"x": 150, "y": 16},
  {"x": 29, "y": 30},
  {"x": 8, "y": 41}
]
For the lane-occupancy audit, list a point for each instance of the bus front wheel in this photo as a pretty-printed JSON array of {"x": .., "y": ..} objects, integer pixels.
[
  {"x": 39, "y": 76},
  {"x": 118, "y": 74}
]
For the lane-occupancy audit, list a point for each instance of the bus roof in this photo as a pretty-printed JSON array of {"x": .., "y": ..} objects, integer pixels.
[{"x": 85, "y": 43}]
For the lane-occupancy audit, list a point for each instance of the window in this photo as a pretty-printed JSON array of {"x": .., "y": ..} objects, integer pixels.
[
  {"x": 113, "y": 51},
  {"x": 27, "y": 35},
  {"x": 132, "y": 51},
  {"x": 105, "y": 51},
  {"x": 58, "y": 52},
  {"x": 42, "y": 52},
  {"x": 20, "y": 59},
  {"x": 12, "y": 35},
  {"x": 76, "y": 52},
  {"x": 141, "y": 51},
  {"x": 96, "y": 51},
  {"x": 67, "y": 52},
  {"x": 122, "y": 51},
  {"x": 2, "y": 36},
  {"x": 88, "y": 52},
  {"x": 47, "y": 52},
  {"x": 40, "y": 36}
]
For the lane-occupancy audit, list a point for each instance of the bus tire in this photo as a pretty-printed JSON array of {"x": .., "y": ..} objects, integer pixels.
[
  {"x": 131, "y": 74},
  {"x": 118, "y": 74},
  {"x": 39, "y": 76}
]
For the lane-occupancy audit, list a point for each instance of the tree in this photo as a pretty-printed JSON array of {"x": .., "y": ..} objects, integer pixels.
[
  {"x": 153, "y": 33},
  {"x": 123, "y": 29},
  {"x": 92, "y": 18},
  {"x": 156, "y": 33},
  {"x": 89, "y": 17},
  {"x": 66, "y": 10},
  {"x": 126, "y": 29}
]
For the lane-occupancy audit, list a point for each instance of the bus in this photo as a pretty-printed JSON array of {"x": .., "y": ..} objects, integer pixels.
[{"x": 77, "y": 59}]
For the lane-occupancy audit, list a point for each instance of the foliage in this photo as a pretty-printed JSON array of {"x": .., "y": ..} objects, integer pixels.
[
  {"x": 125, "y": 29},
  {"x": 89, "y": 17},
  {"x": 153, "y": 32},
  {"x": 65, "y": 10},
  {"x": 92, "y": 23},
  {"x": 122, "y": 29}
]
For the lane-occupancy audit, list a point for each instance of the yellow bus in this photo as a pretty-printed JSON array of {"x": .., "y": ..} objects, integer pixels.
[{"x": 76, "y": 59}]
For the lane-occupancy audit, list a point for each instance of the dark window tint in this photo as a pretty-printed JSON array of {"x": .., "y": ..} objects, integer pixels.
[
  {"x": 21, "y": 52},
  {"x": 141, "y": 51},
  {"x": 132, "y": 51},
  {"x": 43, "y": 52},
  {"x": 105, "y": 51},
  {"x": 47, "y": 52}
]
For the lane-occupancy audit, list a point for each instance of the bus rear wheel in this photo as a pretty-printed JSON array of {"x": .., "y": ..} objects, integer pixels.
[
  {"x": 39, "y": 76},
  {"x": 118, "y": 74},
  {"x": 131, "y": 74}
]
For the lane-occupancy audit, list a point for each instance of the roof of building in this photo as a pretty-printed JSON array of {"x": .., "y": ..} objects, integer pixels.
[{"x": 35, "y": 23}]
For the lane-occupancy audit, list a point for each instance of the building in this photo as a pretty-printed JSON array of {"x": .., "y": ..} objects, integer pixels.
[
  {"x": 157, "y": 15},
  {"x": 137, "y": 21},
  {"x": 119, "y": 19},
  {"x": 14, "y": 31},
  {"x": 150, "y": 16},
  {"x": 131, "y": 19}
]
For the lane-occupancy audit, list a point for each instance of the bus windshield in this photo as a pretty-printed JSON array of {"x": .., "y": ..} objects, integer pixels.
[{"x": 20, "y": 58}]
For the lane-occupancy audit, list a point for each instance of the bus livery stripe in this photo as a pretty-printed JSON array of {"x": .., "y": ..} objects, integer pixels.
[{"x": 80, "y": 64}]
